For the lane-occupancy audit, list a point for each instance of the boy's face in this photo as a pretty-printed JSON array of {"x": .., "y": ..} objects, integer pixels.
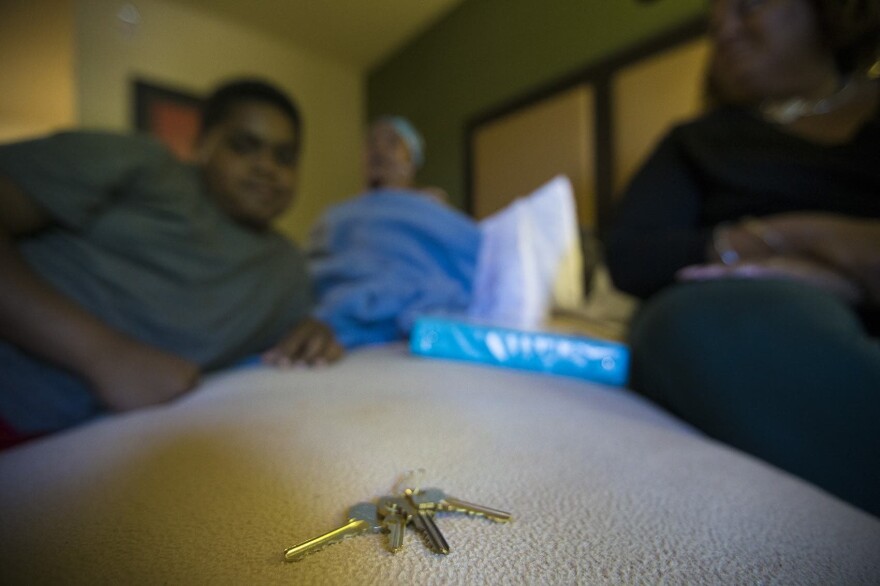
[{"x": 249, "y": 163}]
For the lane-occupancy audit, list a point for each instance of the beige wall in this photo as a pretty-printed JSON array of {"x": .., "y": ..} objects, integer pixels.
[
  {"x": 192, "y": 51},
  {"x": 65, "y": 63},
  {"x": 36, "y": 67}
]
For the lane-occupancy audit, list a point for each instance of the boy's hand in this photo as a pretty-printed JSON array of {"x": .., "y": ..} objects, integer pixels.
[{"x": 311, "y": 342}]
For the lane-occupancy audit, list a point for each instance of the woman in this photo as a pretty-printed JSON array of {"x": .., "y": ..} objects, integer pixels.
[
  {"x": 394, "y": 251},
  {"x": 394, "y": 152},
  {"x": 753, "y": 233}
]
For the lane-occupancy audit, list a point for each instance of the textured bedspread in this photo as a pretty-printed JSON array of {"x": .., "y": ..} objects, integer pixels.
[{"x": 606, "y": 489}]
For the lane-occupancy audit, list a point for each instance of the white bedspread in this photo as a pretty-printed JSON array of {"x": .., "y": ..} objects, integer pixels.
[{"x": 605, "y": 488}]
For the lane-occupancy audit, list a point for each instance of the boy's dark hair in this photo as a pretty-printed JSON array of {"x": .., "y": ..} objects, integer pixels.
[{"x": 217, "y": 105}]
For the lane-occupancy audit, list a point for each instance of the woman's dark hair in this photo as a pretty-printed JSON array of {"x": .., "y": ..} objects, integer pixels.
[
  {"x": 852, "y": 30},
  {"x": 216, "y": 108}
]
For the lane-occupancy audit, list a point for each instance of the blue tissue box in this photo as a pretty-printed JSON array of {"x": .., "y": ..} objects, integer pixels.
[{"x": 580, "y": 356}]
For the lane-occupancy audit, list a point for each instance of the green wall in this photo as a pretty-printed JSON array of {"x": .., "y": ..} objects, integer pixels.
[{"x": 488, "y": 52}]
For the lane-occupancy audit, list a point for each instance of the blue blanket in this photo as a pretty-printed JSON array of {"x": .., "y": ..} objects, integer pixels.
[{"x": 383, "y": 258}]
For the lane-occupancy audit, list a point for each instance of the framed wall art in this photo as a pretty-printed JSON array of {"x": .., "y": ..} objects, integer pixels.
[{"x": 173, "y": 116}]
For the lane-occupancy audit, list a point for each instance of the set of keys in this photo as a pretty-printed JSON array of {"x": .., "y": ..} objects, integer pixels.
[{"x": 392, "y": 514}]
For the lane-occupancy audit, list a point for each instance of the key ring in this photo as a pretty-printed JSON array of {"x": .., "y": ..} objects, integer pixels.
[{"x": 413, "y": 478}]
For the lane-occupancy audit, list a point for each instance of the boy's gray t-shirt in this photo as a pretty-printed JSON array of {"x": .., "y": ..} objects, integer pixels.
[{"x": 140, "y": 244}]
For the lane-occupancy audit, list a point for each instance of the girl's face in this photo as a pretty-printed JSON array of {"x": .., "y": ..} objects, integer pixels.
[{"x": 768, "y": 49}]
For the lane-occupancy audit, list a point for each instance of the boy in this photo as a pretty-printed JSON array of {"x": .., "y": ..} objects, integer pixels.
[{"x": 124, "y": 273}]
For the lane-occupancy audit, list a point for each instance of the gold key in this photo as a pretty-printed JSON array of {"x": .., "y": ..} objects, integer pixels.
[
  {"x": 395, "y": 519},
  {"x": 423, "y": 520},
  {"x": 362, "y": 518},
  {"x": 436, "y": 499}
]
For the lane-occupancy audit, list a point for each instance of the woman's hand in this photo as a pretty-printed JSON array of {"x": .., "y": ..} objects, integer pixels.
[
  {"x": 849, "y": 245},
  {"x": 835, "y": 252},
  {"x": 779, "y": 267},
  {"x": 311, "y": 342}
]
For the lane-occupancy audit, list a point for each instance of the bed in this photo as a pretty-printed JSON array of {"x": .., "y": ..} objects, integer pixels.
[{"x": 604, "y": 487}]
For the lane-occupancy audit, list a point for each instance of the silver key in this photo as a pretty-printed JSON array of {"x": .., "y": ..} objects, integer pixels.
[
  {"x": 362, "y": 518},
  {"x": 436, "y": 499},
  {"x": 423, "y": 520},
  {"x": 395, "y": 519}
]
